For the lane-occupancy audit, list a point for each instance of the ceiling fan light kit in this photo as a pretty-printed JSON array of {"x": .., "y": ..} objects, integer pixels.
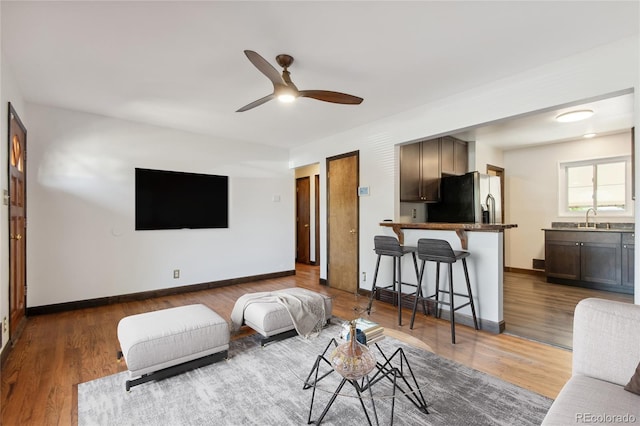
[
  {"x": 285, "y": 93},
  {"x": 285, "y": 90}
]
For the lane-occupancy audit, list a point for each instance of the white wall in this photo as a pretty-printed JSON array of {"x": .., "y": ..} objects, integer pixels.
[
  {"x": 486, "y": 154},
  {"x": 532, "y": 190},
  {"x": 604, "y": 70},
  {"x": 81, "y": 239}
]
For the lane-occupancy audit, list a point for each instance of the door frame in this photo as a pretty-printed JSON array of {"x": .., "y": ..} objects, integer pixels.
[
  {"x": 316, "y": 184},
  {"x": 15, "y": 329},
  {"x": 328, "y": 203},
  {"x": 303, "y": 205},
  {"x": 499, "y": 171}
]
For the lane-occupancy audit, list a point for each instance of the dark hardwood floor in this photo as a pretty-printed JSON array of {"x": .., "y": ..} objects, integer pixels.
[
  {"x": 57, "y": 351},
  {"x": 541, "y": 311}
]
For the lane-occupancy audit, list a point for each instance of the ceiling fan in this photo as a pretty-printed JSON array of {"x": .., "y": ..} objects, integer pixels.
[{"x": 284, "y": 89}]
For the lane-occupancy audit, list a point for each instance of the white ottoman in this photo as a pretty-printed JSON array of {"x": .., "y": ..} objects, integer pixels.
[
  {"x": 162, "y": 343},
  {"x": 272, "y": 320}
]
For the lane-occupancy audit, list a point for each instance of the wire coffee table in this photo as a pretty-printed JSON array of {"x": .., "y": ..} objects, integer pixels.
[{"x": 395, "y": 369}]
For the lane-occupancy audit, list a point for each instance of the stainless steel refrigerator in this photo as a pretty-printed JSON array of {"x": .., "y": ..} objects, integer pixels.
[{"x": 469, "y": 198}]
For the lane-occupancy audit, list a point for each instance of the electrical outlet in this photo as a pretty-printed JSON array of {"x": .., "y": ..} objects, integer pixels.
[
  {"x": 5, "y": 325},
  {"x": 414, "y": 213},
  {"x": 364, "y": 276},
  {"x": 176, "y": 273}
]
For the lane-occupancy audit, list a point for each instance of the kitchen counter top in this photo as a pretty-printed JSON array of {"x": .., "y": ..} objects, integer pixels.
[
  {"x": 599, "y": 227},
  {"x": 477, "y": 227},
  {"x": 459, "y": 228},
  {"x": 576, "y": 229}
]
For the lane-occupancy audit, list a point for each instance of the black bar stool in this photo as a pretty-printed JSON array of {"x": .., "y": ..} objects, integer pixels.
[
  {"x": 389, "y": 246},
  {"x": 440, "y": 251}
]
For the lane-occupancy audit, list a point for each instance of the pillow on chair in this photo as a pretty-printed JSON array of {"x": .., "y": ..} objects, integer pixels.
[{"x": 634, "y": 384}]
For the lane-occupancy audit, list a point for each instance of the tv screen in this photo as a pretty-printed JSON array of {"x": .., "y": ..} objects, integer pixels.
[{"x": 177, "y": 200}]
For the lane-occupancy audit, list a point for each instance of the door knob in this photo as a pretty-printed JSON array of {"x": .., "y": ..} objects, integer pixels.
[
  {"x": 15, "y": 237},
  {"x": 306, "y": 225},
  {"x": 353, "y": 231}
]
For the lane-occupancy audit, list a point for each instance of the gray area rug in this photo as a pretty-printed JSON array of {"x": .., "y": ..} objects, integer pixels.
[{"x": 263, "y": 386}]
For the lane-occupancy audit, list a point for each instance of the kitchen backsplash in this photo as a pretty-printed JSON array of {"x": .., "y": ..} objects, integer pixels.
[{"x": 606, "y": 225}]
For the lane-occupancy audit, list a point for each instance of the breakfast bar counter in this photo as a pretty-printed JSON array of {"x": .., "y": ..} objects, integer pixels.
[
  {"x": 485, "y": 243},
  {"x": 459, "y": 228}
]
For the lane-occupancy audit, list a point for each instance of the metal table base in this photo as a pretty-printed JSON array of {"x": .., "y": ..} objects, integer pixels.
[{"x": 401, "y": 377}]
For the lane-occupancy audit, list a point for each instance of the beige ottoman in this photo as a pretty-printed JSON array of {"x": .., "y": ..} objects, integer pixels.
[
  {"x": 272, "y": 320},
  {"x": 163, "y": 343}
]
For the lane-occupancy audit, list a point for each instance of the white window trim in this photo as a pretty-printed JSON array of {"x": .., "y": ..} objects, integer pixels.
[{"x": 562, "y": 186}]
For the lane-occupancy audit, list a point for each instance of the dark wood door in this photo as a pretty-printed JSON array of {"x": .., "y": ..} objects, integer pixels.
[
  {"x": 628, "y": 267},
  {"x": 562, "y": 259},
  {"x": 342, "y": 222},
  {"x": 460, "y": 157},
  {"x": 410, "y": 178},
  {"x": 317, "y": 221},
  {"x": 430, "y": 170},
  {"x": 17, "y": 221},
  {"x": 601, "y": 263},
  {"x": 303, "y": 219},
  {"x": 420, "y": 171},
  {"x": 454, "y": 156},
  {"x": 628, "y": 251}
]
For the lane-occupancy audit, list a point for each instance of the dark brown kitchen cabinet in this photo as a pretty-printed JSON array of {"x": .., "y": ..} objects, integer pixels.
[
  {"x": 562, "y": 259},
  {"x": 601, "y": 262},
  {"x": 628, "y": 249},
  {"x": 591, "y": 259},
  {"x": 420, "y": 171},
  {"x": 454, "y": 156},
  {"x": 423, "y": 163}
]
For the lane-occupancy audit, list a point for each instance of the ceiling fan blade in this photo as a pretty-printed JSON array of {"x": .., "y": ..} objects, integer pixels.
[
  {"x": 328, "y": 96},
  {"x": 264, "y": 67},
  {"x": 257, "y": 103}
]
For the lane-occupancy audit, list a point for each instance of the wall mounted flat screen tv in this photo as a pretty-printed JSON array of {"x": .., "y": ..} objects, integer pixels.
[{"x": 177, "y": 200}]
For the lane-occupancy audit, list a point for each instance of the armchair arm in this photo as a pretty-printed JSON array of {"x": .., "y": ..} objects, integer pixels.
[{"x": 606, "y": 340}]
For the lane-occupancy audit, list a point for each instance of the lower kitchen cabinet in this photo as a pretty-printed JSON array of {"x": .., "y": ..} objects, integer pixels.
[
  {"x": 562, "y": 259},
  {"x": 601, "y": 263},
  {"x": 594, "y": 259},
  {"x": 628, "y": 249}
]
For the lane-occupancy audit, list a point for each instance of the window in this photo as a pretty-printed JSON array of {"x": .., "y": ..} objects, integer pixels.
[{"x": 602, "y": 184}]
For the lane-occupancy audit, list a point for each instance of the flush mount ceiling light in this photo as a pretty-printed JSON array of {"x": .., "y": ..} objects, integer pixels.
[
  {"x": 589, "y": 135},
  {"x": 571, "y": 116}
]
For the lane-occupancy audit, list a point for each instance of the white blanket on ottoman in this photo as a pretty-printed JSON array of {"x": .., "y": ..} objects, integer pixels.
[{"x": 305, "y": 307}]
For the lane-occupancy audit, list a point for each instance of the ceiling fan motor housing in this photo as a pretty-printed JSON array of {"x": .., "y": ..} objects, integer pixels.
[{"x": 284, "y": 60}]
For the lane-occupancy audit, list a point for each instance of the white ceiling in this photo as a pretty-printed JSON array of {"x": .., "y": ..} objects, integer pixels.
[
  {"x": 611, "y": 115},
  {"x": 181, "y": 64}
]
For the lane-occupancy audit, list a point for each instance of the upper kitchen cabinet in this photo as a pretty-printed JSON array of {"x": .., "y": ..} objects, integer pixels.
[
  {"x": 422, "y": 164},
  {"x": 420, "y": 171},
  {"x": 454, "y": 156}
]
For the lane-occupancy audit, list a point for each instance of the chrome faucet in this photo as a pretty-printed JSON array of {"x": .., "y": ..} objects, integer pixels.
[{"x": 586, "y": 220}]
